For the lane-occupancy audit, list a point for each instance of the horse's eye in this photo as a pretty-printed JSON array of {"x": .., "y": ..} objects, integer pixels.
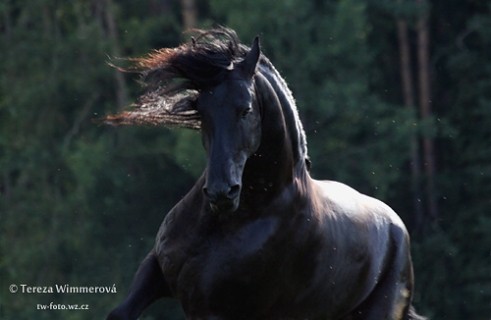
[{"x": 246, "y": 112}]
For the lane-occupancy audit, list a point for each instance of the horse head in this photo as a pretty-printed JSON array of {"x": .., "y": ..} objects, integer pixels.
[
  {"x": 231, "y": 131},
  {"x": 241, "y": 105}
]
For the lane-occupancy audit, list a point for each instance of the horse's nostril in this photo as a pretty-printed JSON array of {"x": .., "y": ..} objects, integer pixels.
[
  {"x": 234, "y": 192},
  {"x": 215, "y": 197}
]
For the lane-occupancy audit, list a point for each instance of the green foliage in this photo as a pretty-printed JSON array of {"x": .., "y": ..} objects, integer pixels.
[{"x": 70, "y": 191}]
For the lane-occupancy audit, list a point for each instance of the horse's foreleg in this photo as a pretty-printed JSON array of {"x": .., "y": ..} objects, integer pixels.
[{"x": 148, "y": 285}]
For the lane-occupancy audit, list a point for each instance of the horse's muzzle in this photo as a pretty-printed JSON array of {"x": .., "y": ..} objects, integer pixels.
[{"x": 223, "y": 201}]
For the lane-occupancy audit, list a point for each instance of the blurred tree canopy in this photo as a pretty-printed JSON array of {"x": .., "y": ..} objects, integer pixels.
[{"x": 80, "y": 203}]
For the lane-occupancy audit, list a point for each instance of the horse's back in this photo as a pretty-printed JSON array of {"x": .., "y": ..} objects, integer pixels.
[{"x": 342, "y": 201}]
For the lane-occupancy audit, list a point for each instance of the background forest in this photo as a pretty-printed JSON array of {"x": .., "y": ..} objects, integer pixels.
[{"x": 395, "y": 96}]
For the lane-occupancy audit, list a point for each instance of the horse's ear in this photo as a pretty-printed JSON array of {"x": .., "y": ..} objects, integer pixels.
[{"x": 249, "y": 64}]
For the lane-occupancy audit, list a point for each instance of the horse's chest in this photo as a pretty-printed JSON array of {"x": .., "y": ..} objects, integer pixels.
[
  {"x": 218, "y": 254},
  {"x": 237, "y": 270}
]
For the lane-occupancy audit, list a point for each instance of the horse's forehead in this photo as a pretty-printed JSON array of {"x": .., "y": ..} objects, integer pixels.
[{"x": 231, "y": 90}]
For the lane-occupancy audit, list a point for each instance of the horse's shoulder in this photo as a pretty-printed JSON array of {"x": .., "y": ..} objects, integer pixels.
[{"x": 183, "y": 218}]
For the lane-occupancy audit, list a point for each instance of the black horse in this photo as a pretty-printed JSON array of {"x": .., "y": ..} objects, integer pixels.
[{"x": 257, "y": 237}]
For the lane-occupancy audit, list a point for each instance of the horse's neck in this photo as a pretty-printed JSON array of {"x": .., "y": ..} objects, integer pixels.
[
  {"x": 274, "y": 166},
  {"x": 289, "y": 110}
]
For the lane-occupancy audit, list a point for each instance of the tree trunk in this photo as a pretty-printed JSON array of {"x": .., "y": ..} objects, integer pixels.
[
  {"x": 425, "y": 106},
  {"x": 7, "y": 29},
  {"x": 189, "y": 14},
  {"x": 409, "y": 102},
  {"x": 111, "y": 32},
  {"x": 5, "y": 187}
]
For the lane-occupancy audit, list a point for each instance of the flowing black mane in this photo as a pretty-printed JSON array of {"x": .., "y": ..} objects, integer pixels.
[{"x": 175, "y": 77}]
